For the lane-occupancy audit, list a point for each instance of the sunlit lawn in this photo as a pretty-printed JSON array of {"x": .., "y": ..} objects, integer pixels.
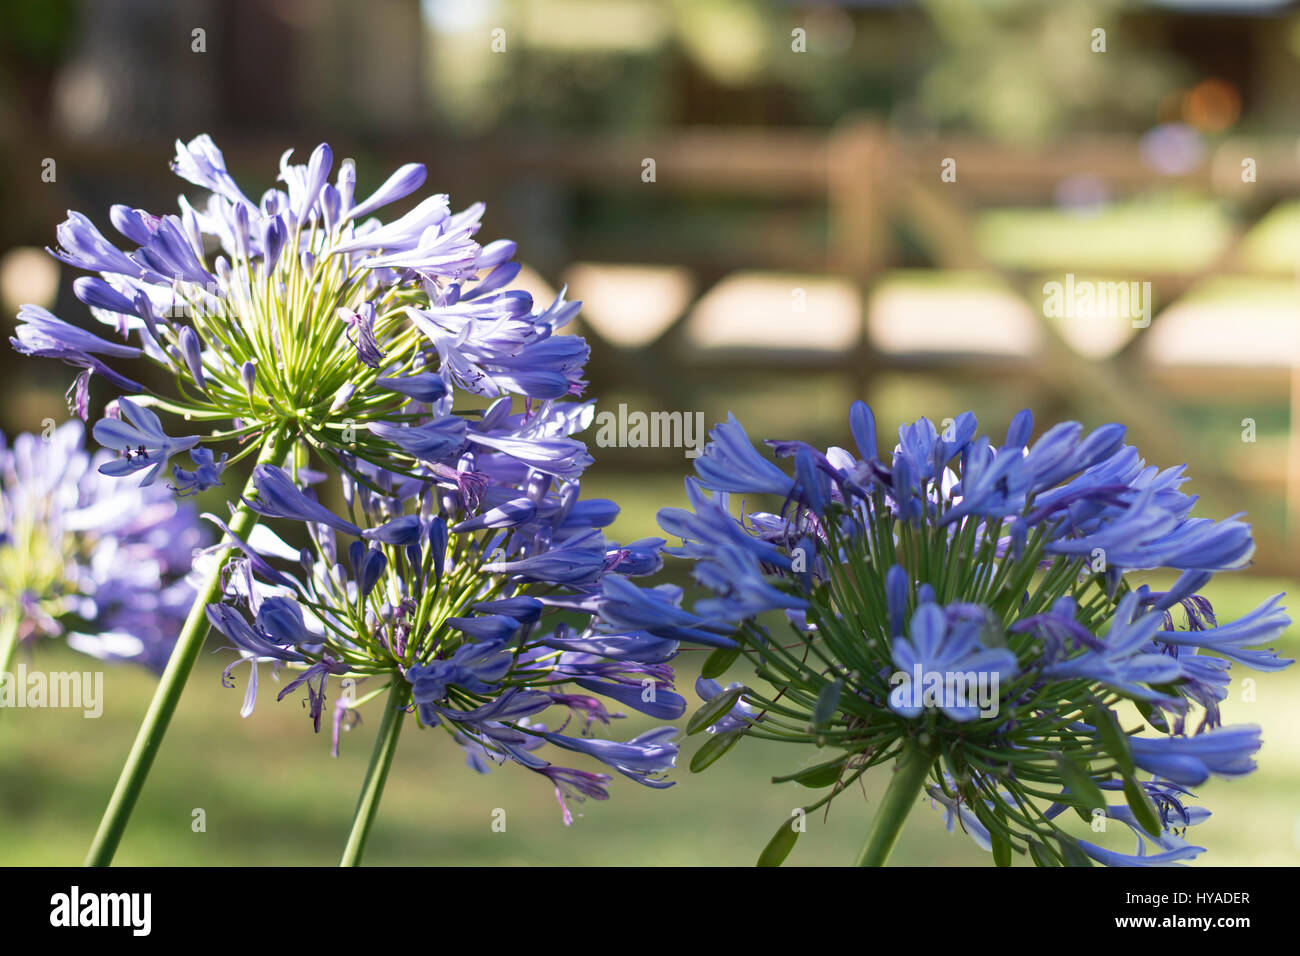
[{"x": 1172, "y": 233}]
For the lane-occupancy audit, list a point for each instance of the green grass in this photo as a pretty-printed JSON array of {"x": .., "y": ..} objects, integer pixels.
[
  {"x": 273, "y": 795},
  {"x": 1164, "y": 233}
]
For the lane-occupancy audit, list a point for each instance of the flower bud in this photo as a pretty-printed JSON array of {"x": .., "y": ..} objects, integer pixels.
[
  {"x": 192, "y": 349},
  {"x": 248, "y": 376}
]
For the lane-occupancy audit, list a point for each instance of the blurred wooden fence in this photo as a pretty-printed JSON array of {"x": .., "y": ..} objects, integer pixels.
[
  {"x": 872, "y": 182},
  {"x": 870, "y": 185}
]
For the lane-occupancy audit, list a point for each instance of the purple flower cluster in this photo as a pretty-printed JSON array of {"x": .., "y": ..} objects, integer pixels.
[
  {"x": 99, "y": 562},
  {"x": 302, "y": 312},
  {"x": 449, "y": 593},
  {"x": 1001, "y": 567}
]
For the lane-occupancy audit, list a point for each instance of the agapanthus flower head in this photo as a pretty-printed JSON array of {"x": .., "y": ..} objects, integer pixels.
[
  {"x": 300, "y": 313},
  {"x": 475, "y": 588},
  {"x": 970, "y": 608},
  {"x": 99, "y": 562}
]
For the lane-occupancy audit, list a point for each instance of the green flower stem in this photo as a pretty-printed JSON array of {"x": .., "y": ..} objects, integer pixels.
[
  {"x": 913, "y": 766},
  {"x": 8, "y": 637},
  {"x": 168, "y": 694},
  {"x": 381, "y": 759}
]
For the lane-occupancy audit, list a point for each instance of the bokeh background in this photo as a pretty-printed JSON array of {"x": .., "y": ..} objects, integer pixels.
[{"x": 797, "y": 246}]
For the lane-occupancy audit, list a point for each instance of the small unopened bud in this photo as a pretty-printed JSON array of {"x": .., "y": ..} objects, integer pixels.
[
  {"x": 347, "y": 183},
  {"x": 241, "y": 232},
  {"x": 192, "y": 350},
  {"x": 190, "y": 224},
  {"x": 274, "y": 236},
  {"x": 248, "y": 376},
  {"x": 349, "y": 489},
  {"x": 371, "y": 568},
  {"x": 538, "y": 485},
  {"x": 568, "y": 498},
  {"x": 449, "y": 501},
  {"x": 329, "y": 204},
  {"x": 343, "y": 396}
]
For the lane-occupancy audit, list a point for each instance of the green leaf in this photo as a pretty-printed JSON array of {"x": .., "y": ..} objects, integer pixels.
[
  {"x": 828, "y": 699},
  {"x": 718, "y": 662},
  {"x": 1001, "y": 849},
  {"x": 1144, "y": 811},
  {"x": 779, "y": 847},
  {"x": 1148, "y": 711},
  {"x": 994, "y": 822},
  {"x": 983, "y": 813},
  {"x": 1113, "y": 739},
  {"x": 713, "y": 749},
  {"x": 1070, "y": 850},
  {"x": 1041, "y": 855},
  {"x": 713, "y": 711},
  {"x": 1082, "y": 787},
  {"x": 821, "y": 775}
]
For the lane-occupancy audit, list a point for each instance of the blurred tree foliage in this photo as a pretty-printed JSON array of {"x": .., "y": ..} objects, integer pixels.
[
  {"x": 36, "y": 36},
  {"x": 1013, "y": 70}
]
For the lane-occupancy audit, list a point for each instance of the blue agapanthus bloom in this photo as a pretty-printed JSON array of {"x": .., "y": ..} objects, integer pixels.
[
  {"x": 98, "y": 562},
  {"x": 485, "y": 610},
  {"x": 301, "y": 314},
  {"x": 970, "y": 610}
]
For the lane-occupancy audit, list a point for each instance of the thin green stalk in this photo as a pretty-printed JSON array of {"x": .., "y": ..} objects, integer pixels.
[
  {"x": 168, "y": 694},
  {"x": 8, "y": 638},
  {"x": 381, "y": 759},
  {"x": 913, "y": 767}
]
